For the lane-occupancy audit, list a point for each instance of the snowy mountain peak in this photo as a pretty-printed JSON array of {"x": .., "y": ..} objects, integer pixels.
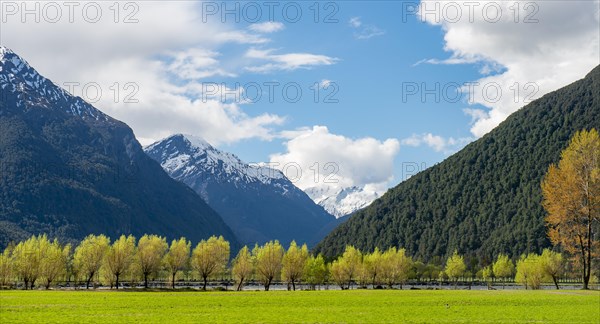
[
  {"x": 341, "y": 202},
  {"x": 259, "y": 203},
  {"x": 30, "y": 89},
  {"x": 197, "y": 141},
  {"x": 186, "y": 155}
]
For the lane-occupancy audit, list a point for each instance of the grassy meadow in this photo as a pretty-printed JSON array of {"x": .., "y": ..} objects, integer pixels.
[{"x": 354, "y": 306}]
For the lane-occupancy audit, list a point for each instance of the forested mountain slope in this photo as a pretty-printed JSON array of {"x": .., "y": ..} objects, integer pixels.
[
  {"x": 485, "y": 199},
  {"x": 69, "y": 170}
]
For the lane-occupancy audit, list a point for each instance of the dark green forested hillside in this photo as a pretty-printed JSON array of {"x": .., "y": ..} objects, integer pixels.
[
  {"x": 68, "y": 170},
  {"x": 485, "y": 199}
]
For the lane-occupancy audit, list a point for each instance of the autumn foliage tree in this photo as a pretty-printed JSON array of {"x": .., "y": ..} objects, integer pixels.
[
  {"x": 455, "y": 267},
  {"x": 210, "y": 257},
  {"x": 150, "y": 252},
  {"x": 293, "y": 264},
  {"x": 571, "y": 193},
  {"x": 177, "y": 258},
  {"x": 268, "y": 258},
  {"x": 243, "y": 266},
  {"x": 503, "y": 268},
  {"x": 89, "y": 255},
  {"x": 119, "y": 257}
]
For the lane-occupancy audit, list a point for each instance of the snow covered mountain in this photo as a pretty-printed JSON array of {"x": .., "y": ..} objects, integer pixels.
[
  {"x": 341, "y": 202},
  {"x": 69, "y": 170},
  {"x": 33, "y": 90},
  {"x": 257, "y": 202}
]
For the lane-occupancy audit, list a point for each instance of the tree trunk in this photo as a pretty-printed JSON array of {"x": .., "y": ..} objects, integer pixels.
[
  {"x": 586, "y": 278},
  {"x": 87, "y": 283},
  {"x": 267, "y": 284},
  {"x": 555, "y": 282},
  {"x": 239, "y": 287},
  {"x": 145, "y": 281},
  {"x": 48, "y": 284},
  {"x": 205, "y": 281},
  {"x": 26, "y": 283},
  {"x": 173, "y": 282},
  {"x": 117, "y": 281}
]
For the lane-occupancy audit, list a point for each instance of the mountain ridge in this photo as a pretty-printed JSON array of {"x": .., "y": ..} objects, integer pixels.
[
  {"x": 485, "y": 199},
  {"x": 70, "y": 170},
  {"x": 259, "y": 203}
]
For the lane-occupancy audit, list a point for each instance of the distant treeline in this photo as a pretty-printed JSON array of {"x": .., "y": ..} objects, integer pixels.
[{"x": 41, "y": 262}]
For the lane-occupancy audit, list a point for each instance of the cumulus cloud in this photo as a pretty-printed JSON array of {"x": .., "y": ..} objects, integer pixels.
[
  {"x": 286, "y": 62},
  {"x": 364, "y": 31},
  {"x": 267, "y": 27},
  {"x": 335, "y": 161},
  {"x": 197, "y": 63},
  {"x": 436, "y": 142},
  {"x": 529, "y": 46},
  {"x": 149, "y": 71}
]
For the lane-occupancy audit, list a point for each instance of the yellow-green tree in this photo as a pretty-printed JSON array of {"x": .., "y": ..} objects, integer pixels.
[
  {"x": 503, "y": 268},
  {"x": 487, "y": 274},
  {"x": 268, "y": 260},
  {"x": 571, "y": 193},
  {"x": 150, "y": 252},
  {"x": 347, "y": 266},
  {"x": 210, "y": 257},
  {"x": 293, "y": 264},
  {"x": 26, "y": 260},
  {"x": 455, "y": 267},
  {"x": 396, "y": 267},
  {"x": 553, "y": 265},
  {"x": 243, "y": 266},
  {"x": 373, "y": 264},
  {"x": 54, "y": 261},
  {"x": 119, "y": 258},
  {"x": 530, "y": 271},
  {"x": 177, "y": 258},
  {"x": 5, "y": 267},
  {"x": 89, "y": 255},
  {"x": 336, "y": 270},
  {"x": 315, "y": 271}
]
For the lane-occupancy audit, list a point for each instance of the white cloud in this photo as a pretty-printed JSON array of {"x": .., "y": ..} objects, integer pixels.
[
  {"x": 364, "y": 162},
  {"x": 158, "y": 61},
  {"x": 286, "y": 62},
  {"x": 355, "y": 22},
  {"x": 437, "y": 143},
  {"x": 197, "y": 63},
  {"x": 267, "y": 27},
  {"x": 541, "y": 52},
  {"x": 364, "y": 31}
]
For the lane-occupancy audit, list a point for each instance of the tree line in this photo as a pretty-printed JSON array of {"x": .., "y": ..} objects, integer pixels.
[
  {"x": 39, "y": 261},
  {"x": 571, "y": 197}
]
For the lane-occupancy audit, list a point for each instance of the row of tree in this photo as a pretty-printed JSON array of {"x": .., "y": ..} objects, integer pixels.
[
  {"x": 96, "y": 259},
  {"x": 571, "y": 197}
]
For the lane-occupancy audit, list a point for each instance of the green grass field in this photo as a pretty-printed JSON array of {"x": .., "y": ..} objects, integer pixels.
[{"x": 355, "y": 306}]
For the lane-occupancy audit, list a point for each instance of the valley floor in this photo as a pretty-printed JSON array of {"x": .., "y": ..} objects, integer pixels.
[{"x": 354, "y": 306}]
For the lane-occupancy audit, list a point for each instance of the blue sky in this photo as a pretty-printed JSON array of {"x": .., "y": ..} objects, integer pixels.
[
  {"x": 371, "y": 51},
  {"x": 369, "y": 75}
]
